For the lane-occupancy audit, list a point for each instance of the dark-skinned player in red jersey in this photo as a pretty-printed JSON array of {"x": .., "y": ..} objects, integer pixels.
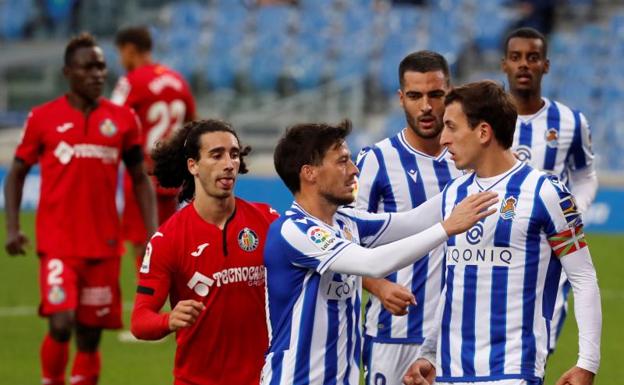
[
  {"x": 207, "y": 258},
  {"x": 79, "y": 140},
  {"x": 163, "y": 102}
]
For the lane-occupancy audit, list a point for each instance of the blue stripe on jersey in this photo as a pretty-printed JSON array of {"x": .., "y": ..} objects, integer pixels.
[
  {"x": 384, "y": 180},
  {"x": 553, "y": 120},
  {"x": 445, "y": 354},
  {"x": 462, "y": 192},
  {"x": 443, "y": 174},
  {"x": 502, "y": 233},
  {"x": 331, "y": 343},
  {"x": 276, "y": 367},
  {"x": 576, "y": 148},
  {"x": 526, "y": 134},
  {"x": 532, "y": 255},
  {"x": 551, "y": 286},
  {"x": 358, "y": 342},
  {"x": 302, "y": 361},
  {"x": 469, "y": 311},
  {"x": 350, "y": 329},
  {"x": 416, "y": 314},
  {"x": 417, "y": 196},
  {"x": 384, "y": 323},
  {"x": 498, "y": 320}
]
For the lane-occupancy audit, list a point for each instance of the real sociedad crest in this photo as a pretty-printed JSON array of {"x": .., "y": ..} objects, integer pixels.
[
  {"x": 552, "y": 137},
  {"x": 248, "y": 240},
  {"x": 508, "y": 208}
]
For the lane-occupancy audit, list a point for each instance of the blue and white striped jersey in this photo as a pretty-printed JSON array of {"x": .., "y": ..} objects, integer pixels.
[
  {"x": 556, "y": 140},
  {"x": 313, "y": 314},
  {"x": 396, "y": 177},
  {"x": 502, "y": 277}
]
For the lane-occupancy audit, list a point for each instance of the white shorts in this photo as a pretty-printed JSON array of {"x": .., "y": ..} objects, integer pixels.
[{"x": 386, "y": 364}]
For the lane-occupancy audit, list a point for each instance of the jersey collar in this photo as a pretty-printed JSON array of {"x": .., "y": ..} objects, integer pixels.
[
  {"x": 530, "y": 118},
  {"x": 500, "y": 178}
]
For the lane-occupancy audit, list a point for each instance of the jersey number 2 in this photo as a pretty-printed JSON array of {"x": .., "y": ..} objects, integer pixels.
[{"x": 164, "y": 115}]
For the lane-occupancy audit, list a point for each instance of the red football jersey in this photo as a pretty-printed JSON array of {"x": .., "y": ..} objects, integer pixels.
[
  {"x": 161, "y": 98},
  {"x": 79, "y": 156},
  {"x": 189, "y": 258}
]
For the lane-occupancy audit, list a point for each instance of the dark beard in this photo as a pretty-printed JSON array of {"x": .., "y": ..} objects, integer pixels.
[{"x": 413, "y": 125}]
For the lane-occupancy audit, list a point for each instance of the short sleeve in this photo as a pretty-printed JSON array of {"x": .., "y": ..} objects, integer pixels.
[
  {"x": 313, "y": 246},
  {"x": 581, "y": 154},
  {"x": 31, "y": 143},
  {"x": 157, "y": 261},
  {"x": 564, "y": 226},
  {"x": 368, "y": 165}
]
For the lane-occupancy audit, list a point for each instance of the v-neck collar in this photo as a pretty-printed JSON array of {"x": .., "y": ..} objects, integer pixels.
[{"x": 502, "y": 177}]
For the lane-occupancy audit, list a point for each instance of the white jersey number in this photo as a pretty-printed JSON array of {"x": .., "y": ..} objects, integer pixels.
[{"x": 164, "y": 115}]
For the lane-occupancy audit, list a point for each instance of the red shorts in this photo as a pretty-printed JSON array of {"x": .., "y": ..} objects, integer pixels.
[
  {"x": 132, "y": 224},
  {"x": 90, "y": 287}
]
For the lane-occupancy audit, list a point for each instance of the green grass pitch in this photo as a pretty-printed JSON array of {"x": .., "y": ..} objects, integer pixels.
[{"x": 21, "y": 330}]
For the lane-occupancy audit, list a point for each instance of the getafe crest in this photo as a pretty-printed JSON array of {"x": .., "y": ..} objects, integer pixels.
[
  {"x": 248, "y": 240},
  {"x": 508, "y": 208},
  {"x": 552, "y": 137},
  {"x": 108, "y": 128}
]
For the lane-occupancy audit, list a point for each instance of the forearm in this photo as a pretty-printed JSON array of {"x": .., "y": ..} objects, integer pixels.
[
  {"x": 414, "y": 221},
  {"x": 382, "y": 260},
  {"x": 372, "y": 285},
  {"x": 584, "y": 187},
  {"x": 146, "y": 199},
  {"x": 147, "y": 324},
  {"x": 582, "y": 275},
  {"x": 13, "y": 188}
]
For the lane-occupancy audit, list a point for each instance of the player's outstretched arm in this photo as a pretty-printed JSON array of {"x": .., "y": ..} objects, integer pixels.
[
  {"x": 395, "y": 298},
  {"x": 13, "y": 188},
  {"x": 380, "y": 261}
]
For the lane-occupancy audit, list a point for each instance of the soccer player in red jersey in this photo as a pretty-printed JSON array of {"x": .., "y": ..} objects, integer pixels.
[
  {"x": 79, "y": 140},
  {"x": 207, "y": 258},
  {"x": 163, "y": 102}
]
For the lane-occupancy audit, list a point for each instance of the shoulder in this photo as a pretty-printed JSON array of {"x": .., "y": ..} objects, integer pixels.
[
  {"x": 262, "y": 210},
  {"x": 51, "y": 107}
]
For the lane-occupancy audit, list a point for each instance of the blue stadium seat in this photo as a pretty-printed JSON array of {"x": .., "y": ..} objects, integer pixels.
[{"x": 14, "y": 14}]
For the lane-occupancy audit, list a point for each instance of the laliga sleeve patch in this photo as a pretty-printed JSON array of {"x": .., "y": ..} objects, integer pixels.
[
  {"x": 567, "y": 241},
  {"x": 322, "y": 238}
]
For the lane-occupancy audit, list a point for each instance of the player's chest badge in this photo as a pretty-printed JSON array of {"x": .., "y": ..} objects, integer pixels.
[
  {"x": 248, "y": 240},
  {"x": 508, "y": 208},
  {"x": 108, "y": 128},
  {"x": 552, "y": 137}
]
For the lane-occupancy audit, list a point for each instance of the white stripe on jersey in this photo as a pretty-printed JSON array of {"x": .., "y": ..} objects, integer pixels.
[
  {"x": 556, "y": 140},
  {"x": 395, "y": 177},
  {"x": 501, "y": 279},
  {"x": 314, "y": 313}
]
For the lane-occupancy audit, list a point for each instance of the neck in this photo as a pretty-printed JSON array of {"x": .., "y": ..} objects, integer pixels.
[
  {"x": 141, "y": 60},
  {"x": 495, "y": 162},
  {"x": 213, "y": 210},
  {"x": 430, "y": 146},
  {"x": 317, "y": 207},
  {"x": 81, "y": 103},
  {"x": 527, "y": 103}
]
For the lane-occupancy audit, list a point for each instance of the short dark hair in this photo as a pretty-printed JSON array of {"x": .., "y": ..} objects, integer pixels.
[
  {"x": 170, "y": 155},
  {"x": 83, "y": 40},
  {"x": 487, "y": 101},
  {"x": 526, "y": 33},
  {"x": 139, "y": 36},
  {"x": 423, "y": 61},
  {"x": 306, "y": 144}
]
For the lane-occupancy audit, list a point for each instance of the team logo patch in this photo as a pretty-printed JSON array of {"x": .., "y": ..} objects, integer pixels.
[
  {"x": 508, "y": 208},
  {"x": 570, "y": 212},
  {"x": 552, "y": 137},
  {"x": 108, "y": 128},
  {"x": 56, "y": 295},
  {"x": 248, "y": 240},
  {"x": 322, "y": 238},
  {"x": 474, "y": 235},
  {"x": 568, "y": 241},
  {"x": 523, "y": 153}
]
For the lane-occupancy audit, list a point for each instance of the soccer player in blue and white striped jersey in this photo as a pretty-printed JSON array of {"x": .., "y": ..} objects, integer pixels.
[
  {"x": 398, "y": 174},
  {"x": 502, "y": 274},
  {"x": 315, "y": 254},
  {"x": 549, "y": 135}
]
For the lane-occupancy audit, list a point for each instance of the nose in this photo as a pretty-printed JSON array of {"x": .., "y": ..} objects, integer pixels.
[
  {"x": 445, "y": 138},
  {"x": 426, "y": 104},
  {"x": 229, "y": 162},
  {"x": 354, "y": 170}
]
